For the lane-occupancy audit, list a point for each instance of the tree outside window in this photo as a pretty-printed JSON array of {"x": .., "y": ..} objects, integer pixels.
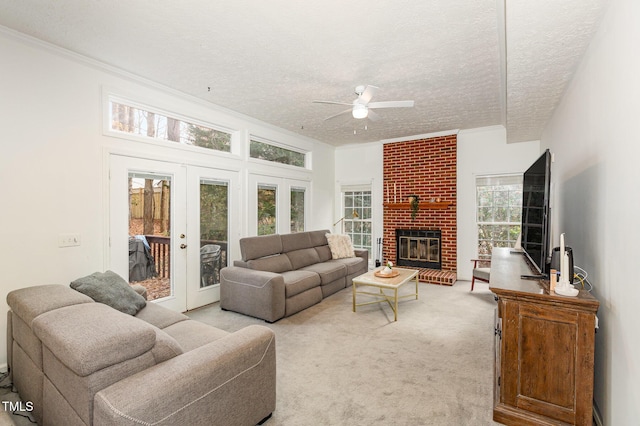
[
  {"x": 297, "y": 209},
  {"x": 267, "y": 210},
  {"x": 498, "y": 211},
  {"x": 357, "y": 219}
]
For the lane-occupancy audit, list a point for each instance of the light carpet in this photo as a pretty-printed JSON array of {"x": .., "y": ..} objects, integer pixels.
[{"x": 434, "y": 366}]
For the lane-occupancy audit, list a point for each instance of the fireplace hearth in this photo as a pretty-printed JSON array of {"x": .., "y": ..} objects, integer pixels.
[{"x": 419, "y": 248}]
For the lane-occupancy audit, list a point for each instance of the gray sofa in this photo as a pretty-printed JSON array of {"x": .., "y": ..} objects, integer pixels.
[
  {"x": 282, "y": 274},
  {"x": 85, "y": 363}
]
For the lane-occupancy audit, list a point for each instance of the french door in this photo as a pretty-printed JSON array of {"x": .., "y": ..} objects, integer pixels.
[
  {"x": 277, "y": 205},
  {"x": 169, "y": 228}
]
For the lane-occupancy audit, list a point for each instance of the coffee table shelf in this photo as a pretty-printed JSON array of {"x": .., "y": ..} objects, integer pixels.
[{"x": 369, "y": 279}]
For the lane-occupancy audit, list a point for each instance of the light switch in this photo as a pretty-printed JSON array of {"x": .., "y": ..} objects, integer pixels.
[{"x": 68, "y": 240}]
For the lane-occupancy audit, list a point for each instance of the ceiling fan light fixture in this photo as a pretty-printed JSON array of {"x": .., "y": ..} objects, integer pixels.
[{"x": 360, "y": 111}]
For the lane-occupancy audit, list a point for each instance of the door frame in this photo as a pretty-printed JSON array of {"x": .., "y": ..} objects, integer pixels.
[
  {"x": 197, "y": 296},
  {"x": 187, "y": 259},
  {"x": 120, "y": 168},
  {"x": 283, "y": 202}
]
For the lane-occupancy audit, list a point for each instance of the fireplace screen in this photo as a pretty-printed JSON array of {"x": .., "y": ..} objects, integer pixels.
[
  {"x": 418, "y": 248},
  {"x": 422, "y": 249}
]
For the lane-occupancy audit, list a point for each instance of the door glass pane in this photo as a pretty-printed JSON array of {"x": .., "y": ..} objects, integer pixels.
[
  {"x": 150, "y": 233},
  {"x": 297, "y": 209},
  {"x": 357, "y": 219},
  {"x": 266, "y": 210},
  {"x": 214, "y": 230}
]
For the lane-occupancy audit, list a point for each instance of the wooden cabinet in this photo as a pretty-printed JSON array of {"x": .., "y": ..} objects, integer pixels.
[{"x": 544, "y": 348}]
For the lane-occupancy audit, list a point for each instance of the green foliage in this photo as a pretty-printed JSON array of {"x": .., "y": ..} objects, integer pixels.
[
  {"x": 209, "y": 138},
  {"x": 214, "y": 212},
  {"x": 266, "y": 211},
  {"x": 264, "y": 151},
  {"x": 297, "y": 210}
]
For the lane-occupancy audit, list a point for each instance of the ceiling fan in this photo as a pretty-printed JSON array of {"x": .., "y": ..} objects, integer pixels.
[{"x": 362, "y": 106}]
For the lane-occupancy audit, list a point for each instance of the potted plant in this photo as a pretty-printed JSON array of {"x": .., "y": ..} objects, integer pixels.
[{"x": 414, "y": 203}]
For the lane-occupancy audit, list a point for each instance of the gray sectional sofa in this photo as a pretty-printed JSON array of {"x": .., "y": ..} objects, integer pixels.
[
  {"x": 80, "y": 362},
  {"x": 282, "y": 274}
]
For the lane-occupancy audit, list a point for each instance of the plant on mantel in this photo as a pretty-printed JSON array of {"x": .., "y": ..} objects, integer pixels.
[{"x": 414, "y": 203}]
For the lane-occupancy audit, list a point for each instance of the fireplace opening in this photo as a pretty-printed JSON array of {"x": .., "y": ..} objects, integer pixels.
[{"x": 419, "y": 248}]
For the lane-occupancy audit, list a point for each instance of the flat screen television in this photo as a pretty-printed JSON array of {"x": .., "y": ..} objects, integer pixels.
[{"x": 536, "y": 188}]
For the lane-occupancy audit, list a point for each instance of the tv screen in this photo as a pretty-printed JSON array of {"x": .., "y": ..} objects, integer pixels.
[{"x": 536, "y": 183}]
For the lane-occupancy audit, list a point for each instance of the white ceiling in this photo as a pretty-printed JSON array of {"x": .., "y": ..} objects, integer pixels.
[{"x": 465, "y": 63}]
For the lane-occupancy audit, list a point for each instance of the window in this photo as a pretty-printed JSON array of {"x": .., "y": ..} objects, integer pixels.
[
  {"x": 137, "y": 121},
  {"x": 357, "y": 218},
  {"x": 268, "y": 152},
  {"x": 498, "y": 208},
  {"x": 297, "y": 209},
  {"x": 267, "y": 210}
]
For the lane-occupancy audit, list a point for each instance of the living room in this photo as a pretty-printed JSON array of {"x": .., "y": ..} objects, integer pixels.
[{"x": 57, "y": 150}]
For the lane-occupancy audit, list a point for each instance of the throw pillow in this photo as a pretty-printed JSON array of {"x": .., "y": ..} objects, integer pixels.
[
  {"x": 340, "y": 246},
  {"x": 112, "y": 290}
]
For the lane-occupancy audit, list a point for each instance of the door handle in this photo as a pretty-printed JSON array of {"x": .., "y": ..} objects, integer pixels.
[{"x": 183, "y": 246}]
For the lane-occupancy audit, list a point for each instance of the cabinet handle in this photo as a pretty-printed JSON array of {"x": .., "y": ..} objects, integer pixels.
[{"x": 497, "y": 332}]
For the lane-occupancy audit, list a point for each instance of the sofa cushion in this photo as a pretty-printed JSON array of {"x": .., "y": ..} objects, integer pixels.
[
  {"x": 295, "y": 241},
  {"x": 166, "y": 347},
  {"x": 324, "y": 253},
  {"x": 296, "y": 282},
  {"x": 278, "y": 263},
  {"x": 303, "y": 257},
  {"x": 318, "y": 238},
  {"x": 328, "y": 271},
  {"x": 160, "y": 316},
  {"x": 112, "y": 290},
  {"x": 92, "y": 336},
  {"x": 29, "y": 302},
  {"x": 353, "y": 264},
  {"x": 193, "y": 334},
  {"x": 340, "y": 245},
  {"x": 256, "y": 247}
]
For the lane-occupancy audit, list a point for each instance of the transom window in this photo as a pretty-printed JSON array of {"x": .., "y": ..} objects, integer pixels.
[
  {"x": 142, "y": 122},
  {"x": 498, "y": 211},
  {"x": 268, "y": 152}
]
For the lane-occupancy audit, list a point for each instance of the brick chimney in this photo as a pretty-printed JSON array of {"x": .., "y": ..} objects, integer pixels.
[{"x": 426, "y": 168}]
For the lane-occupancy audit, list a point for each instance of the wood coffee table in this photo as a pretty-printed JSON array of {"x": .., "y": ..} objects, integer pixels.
[{"x": 394, "y": 283}]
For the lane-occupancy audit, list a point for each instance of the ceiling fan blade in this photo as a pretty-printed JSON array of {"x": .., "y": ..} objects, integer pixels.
[
  {"x": 332, "y": 102},
  {"x": 340, "y": 113},
  {"x": 373, "y": 116},
  {"x": 367, "y": 94},
  {"x": 391, "y": 104}
]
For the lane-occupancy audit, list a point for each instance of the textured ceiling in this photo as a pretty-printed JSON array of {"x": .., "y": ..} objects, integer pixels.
[{"x": 465, "y": 63}]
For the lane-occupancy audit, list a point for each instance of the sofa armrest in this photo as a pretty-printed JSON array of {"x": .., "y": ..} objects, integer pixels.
[
  {"x": 231, "y": 381},
  {"x": 363, "y": 254},
  {"x": 251, "y": 292}
]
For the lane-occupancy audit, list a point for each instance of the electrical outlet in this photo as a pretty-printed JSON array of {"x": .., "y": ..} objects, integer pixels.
[{"x": 68, "y": 240}]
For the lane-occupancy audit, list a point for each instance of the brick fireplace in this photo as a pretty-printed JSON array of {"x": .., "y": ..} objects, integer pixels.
[{"x": 426, "y": 168}]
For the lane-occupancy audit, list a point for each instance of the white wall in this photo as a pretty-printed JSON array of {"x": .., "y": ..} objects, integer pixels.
[
  {"x": 357, "y": 165},
  {"x": 483, "y": 151},
  {"x": 594, "y": 135},
  {"x": 52, "y": 164}
]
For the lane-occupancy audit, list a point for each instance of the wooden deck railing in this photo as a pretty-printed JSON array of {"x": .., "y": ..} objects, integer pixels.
[{"x": 161, "y": 252}]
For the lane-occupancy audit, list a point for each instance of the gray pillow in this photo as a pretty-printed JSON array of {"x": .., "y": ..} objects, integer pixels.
[{"x": 112, "y": 290}]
